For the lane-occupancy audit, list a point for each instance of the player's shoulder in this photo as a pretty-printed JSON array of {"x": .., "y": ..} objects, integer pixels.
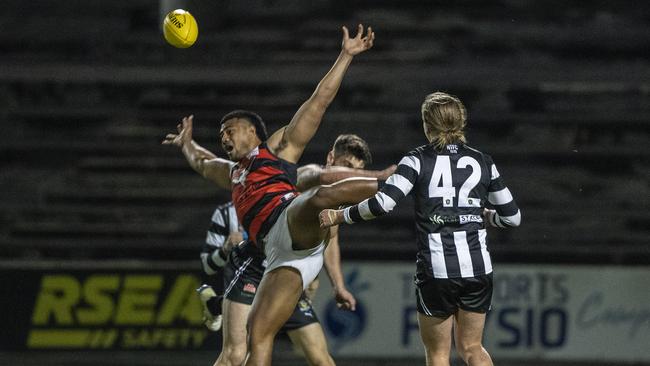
[
  {"x": 266, "y": 152},
  {"x": 476, "y": 153},
  {"x": 419, "y": 151},
  {"x": 226, "y": 205},
  {"x": 413, "y": 158}
]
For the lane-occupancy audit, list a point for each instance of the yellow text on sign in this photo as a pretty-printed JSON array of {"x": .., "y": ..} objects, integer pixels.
[{"x": 117, "y": 299}]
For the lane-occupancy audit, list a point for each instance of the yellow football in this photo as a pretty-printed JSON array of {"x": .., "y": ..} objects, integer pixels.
[{"x": 180, "y": 28}]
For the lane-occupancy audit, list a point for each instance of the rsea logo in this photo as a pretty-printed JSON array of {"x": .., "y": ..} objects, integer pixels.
[{"x": 127, "y": 311}]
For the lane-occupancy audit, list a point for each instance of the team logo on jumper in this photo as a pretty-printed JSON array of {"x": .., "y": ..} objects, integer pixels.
[
  {"x": 239, "y": 176},
  {"x": 344, "y": 326},
  {"x": 242, "y": 168},
  {"x": 250, "y": 288},
  {"x": 453, "y": 149}
]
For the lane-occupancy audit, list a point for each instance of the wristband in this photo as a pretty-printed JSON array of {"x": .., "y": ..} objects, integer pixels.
[
  {"x": 219, "y": 257},
  {"x": 222, "y": 253},
  {"x": 346, "y": 216}
]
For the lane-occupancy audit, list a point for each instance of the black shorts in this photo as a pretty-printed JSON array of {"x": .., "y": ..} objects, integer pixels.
[
  {"x": 443, "y": 297},
  {"x": 303, "y": 315},
  {"x": 242, "y": 275}
]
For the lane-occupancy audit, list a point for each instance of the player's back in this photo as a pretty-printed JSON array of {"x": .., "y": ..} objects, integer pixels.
[{"x": 452, "y": 187}]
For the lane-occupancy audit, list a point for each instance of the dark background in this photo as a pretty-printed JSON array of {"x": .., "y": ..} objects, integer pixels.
[{"x": 557, "y": 91}]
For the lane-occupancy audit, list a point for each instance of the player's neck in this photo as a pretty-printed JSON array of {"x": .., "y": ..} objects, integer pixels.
[{"x": 253, "y": 152}]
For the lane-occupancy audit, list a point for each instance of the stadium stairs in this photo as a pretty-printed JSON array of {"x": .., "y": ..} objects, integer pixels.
[{"x": 84, "y": 175}]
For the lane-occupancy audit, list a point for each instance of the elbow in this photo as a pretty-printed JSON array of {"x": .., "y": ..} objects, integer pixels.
[
  {"x": 198, "y": 165},
  {"x": 385, "y": 210},
  {"x": 308, "y": 176},
  {"x": 512, "y": 221}
]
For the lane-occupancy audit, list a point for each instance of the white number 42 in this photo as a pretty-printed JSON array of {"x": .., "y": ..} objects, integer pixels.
[{"x": 441, "y": 184}]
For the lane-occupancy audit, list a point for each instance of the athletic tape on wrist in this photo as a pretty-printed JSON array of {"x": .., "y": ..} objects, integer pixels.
[
  {"x": 218, "y": 259},
  {"x": 346, "y": 216}
]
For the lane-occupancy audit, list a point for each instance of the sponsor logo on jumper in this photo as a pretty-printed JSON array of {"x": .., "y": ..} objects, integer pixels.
[
  {"x": 460, "y": 219},
  {"x": 466, "y": 219}
]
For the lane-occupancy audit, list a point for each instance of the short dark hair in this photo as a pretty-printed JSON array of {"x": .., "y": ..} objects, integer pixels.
[
  {"x": 353, "y": 145},
  {"x": 252, "y": 117}
]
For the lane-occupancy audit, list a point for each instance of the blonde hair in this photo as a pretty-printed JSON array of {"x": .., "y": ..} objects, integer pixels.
[{"x": 444, "y": 117}]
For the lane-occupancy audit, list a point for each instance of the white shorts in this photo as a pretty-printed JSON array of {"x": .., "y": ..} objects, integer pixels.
[{"x": 280, "y": 253}]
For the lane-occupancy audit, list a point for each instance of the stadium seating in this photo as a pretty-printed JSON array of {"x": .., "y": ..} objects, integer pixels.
[{"x": 558, "y": 102}]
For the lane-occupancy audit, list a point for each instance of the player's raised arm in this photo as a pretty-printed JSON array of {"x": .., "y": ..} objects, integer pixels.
[
  {"x": 200, "y": 159},
  {"x": 397, "y": 186},
  {"x": 289, "y": 142}
]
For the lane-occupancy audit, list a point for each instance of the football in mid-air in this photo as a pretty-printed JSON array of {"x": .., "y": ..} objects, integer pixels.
[{"x": 180, "y": 28}]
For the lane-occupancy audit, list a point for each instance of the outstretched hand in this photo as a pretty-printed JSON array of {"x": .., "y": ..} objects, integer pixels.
[
  {"x": 328, "y": 218},
  {"x": 358, "y": 44},
  {"x": 184, "y": 135}
]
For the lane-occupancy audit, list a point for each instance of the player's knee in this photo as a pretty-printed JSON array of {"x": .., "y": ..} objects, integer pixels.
[
  {"x": 235, "y": 355},
  {"x": 438, "y": 353},
  {"x": 469, "y": 350},
  {"x": 259, "y": 338},
  {"x": 323, "y": 362},
  {"x": 320, "y": 359},
  {"x": 238, "y": 356}
]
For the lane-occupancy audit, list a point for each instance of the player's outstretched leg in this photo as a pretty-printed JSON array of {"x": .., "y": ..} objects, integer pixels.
[
  {"x": 275, "y": 300},
  {"x": 303, "y": 212},
  {"x": 280, "y": 289}
]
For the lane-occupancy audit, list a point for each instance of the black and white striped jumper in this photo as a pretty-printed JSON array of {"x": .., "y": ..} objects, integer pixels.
[
  {"x": 450, "y": 189},
  {"x": 224, "y": 221}
]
